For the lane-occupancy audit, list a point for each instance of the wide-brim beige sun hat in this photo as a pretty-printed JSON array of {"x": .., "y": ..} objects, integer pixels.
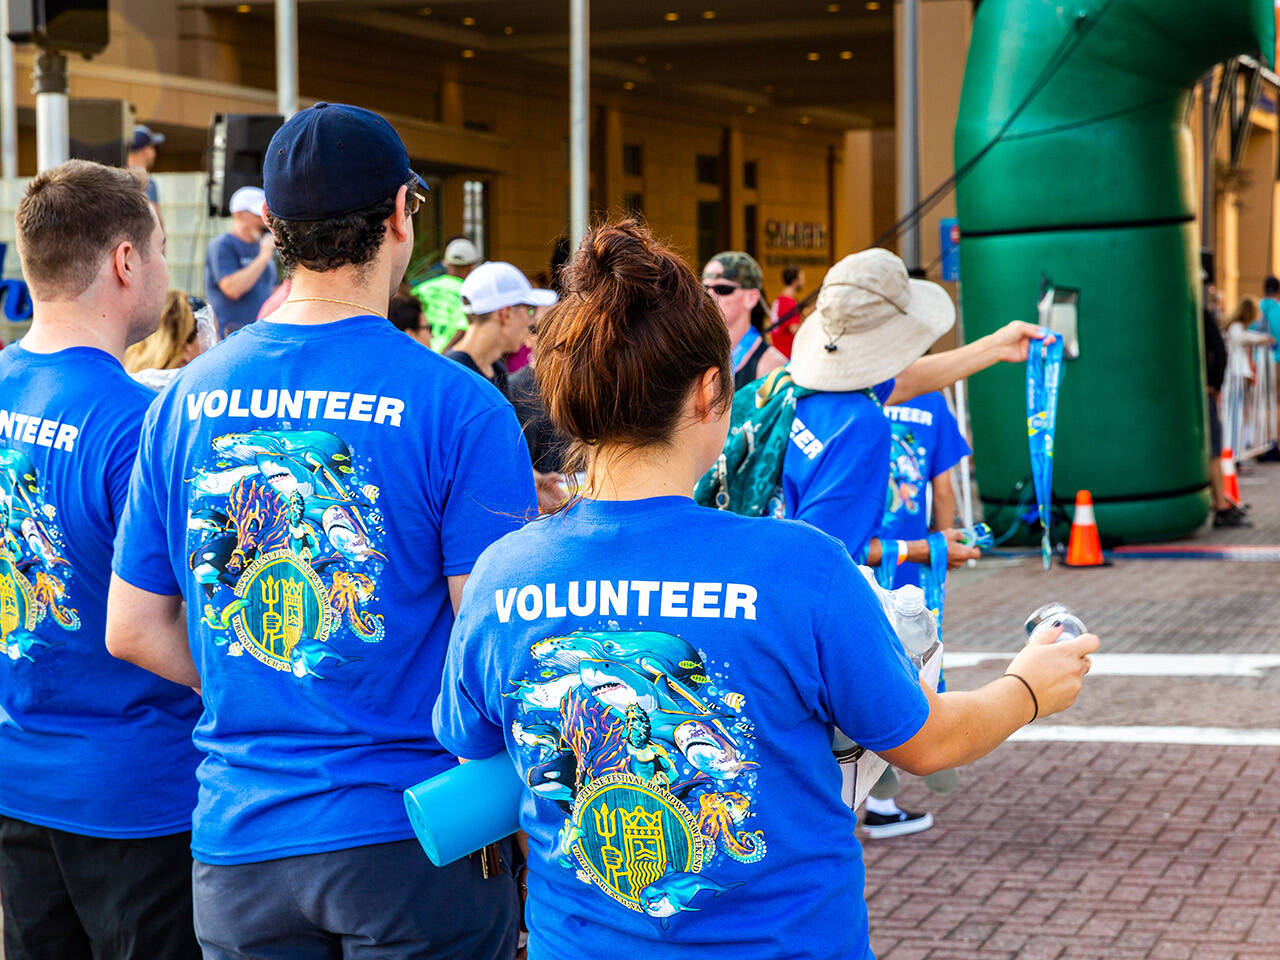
[{"x": 871, "y": 322}]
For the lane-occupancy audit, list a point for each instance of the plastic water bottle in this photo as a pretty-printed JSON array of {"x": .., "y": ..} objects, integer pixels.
[
  {"x": 913, "y": 622},
  {"x": 1053, "y": 615}
]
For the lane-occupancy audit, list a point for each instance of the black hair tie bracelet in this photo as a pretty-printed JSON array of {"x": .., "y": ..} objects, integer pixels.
[{"x": 1034, "y": 702}]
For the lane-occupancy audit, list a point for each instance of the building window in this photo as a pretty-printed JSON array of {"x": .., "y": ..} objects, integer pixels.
[
  {"x": 708, "y": 169},
  {"x": 475, "y": 213},
  {"x": 749, "y": 234},
  {"x": 749, "y": 175},
  {"x": 633, "y": 160},
  {"x": 708, "y": 230},
  {"x": 633, "y": 203}
]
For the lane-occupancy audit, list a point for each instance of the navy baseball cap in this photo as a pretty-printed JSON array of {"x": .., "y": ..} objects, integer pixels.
[
  {"x": 331, "y": 160},
  {"x": 144, "y": 136}
]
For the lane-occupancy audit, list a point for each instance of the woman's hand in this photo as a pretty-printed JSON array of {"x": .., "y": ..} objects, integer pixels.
[{"x": 1055, "y": 671}]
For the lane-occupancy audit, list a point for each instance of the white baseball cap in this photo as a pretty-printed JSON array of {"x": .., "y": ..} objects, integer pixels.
[
  {"x": 460, "y": 253},
  {"x": 247, "y": 200},
  {"x": 496, "y": 284}
]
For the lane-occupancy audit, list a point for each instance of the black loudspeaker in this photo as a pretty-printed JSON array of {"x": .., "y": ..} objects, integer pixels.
[
  {"x": 237, "y": 146},
  {"x": 101, "y": 130},
  {"x": 71, "y": 26}
]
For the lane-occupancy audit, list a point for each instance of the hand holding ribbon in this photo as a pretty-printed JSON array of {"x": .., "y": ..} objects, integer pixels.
[{"x": 1044, "y": 373}]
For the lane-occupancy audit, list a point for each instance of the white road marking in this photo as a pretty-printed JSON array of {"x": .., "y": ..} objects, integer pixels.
[
  {"x": 1199, "y": 736},
  {"x": 1146, "y": 664}
]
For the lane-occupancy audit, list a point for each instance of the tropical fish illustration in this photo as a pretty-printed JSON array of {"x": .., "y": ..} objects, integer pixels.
[{"x": 674, "y": 892}]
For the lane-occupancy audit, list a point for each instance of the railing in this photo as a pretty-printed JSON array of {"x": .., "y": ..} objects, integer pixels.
[{"x": 1249, "y": 394}]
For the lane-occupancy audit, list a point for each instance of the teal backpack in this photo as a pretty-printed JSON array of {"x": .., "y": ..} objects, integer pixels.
[{"x": 747, "y": 476}]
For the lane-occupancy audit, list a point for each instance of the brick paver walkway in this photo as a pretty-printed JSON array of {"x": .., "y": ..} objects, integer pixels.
[{"x": 1107, "y": 850}]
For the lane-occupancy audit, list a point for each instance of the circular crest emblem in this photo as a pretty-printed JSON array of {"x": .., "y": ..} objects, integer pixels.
[
  {"x": 629, "y": 831},
  {"x": 17, "y": 609},
  {"x": 284, "y": 604}
]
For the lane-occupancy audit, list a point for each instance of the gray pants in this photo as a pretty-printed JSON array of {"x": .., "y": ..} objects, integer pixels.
[{"x": 386, "y": 901}]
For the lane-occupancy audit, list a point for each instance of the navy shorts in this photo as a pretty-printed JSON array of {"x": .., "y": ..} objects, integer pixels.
[{"x": 386, "y": 901}]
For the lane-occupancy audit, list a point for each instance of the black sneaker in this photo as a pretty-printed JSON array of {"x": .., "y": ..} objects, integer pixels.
[
  {"x": 1231, "y": 517},
  {"x": 880, "y": 826}
]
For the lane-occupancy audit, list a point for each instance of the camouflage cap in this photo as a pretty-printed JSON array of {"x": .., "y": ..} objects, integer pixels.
[{"x": 741, "y": 268}]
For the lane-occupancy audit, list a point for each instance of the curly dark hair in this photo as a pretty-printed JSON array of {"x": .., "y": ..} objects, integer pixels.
[{"x": 350, "y": 240}]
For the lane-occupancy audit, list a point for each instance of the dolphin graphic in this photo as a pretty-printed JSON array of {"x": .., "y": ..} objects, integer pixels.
[
  {"x": 674, "y": 892},
  {"x": 21, "y": 643},
  {"x": 306, "y": 656},
  {"x": 658, "y": 654}
]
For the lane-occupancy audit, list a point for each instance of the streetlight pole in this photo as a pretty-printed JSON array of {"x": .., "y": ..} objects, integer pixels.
[
  {"x": 8, "y": 101},
  {"x": 53, "y": 139},
  {"x": 909, "y": 117},
  {"x": 286, "y": 57},
  {"x": 579, "y": 143}
]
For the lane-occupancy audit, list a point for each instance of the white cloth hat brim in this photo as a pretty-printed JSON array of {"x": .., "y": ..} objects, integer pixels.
[
  {"x": 542, "y": 298},
  {"x": 866, "y": 357}
]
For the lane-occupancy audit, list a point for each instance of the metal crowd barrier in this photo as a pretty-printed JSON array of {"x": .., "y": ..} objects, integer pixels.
[{"x": 1249, "y": 424}]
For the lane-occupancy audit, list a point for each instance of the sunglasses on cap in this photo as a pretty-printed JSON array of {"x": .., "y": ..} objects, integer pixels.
[{"x": 721, "y": 289}]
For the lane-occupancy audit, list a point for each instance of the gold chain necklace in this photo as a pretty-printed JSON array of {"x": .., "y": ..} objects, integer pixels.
[{"x": 345, "y": 303}]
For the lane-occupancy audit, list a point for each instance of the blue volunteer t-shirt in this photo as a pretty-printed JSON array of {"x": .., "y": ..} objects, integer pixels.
[
  {"x": 88, "y": 743},
  {"x": 836, "y": 468},
  {"x": 227, "y": 254},
  {"x": 926, "y": 442},
  {"x": 668, "y": 691},
  {"x": 308, "y": 489}
]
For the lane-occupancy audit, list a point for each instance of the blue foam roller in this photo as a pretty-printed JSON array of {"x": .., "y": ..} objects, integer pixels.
[{"x": 466, "y": 808}]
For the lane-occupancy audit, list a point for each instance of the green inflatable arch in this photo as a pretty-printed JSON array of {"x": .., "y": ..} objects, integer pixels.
[{"x": 1073, "y": 121}]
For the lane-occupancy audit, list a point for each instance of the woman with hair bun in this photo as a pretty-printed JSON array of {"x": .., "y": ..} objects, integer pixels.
[{"x": 666, "y": 677}]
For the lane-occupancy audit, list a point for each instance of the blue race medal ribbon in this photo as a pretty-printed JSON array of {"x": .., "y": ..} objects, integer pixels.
[
  {"x": 887, "y": 571},
  {"x": 745, "y": 346},
  {"x": 933, "y": 579},
  {"x": 1044, "y": 372}
]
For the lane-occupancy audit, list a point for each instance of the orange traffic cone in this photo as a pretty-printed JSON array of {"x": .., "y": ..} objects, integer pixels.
[
  {"x": 1230, "y": 482},
  {"x": 1085, "y": 549}
]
